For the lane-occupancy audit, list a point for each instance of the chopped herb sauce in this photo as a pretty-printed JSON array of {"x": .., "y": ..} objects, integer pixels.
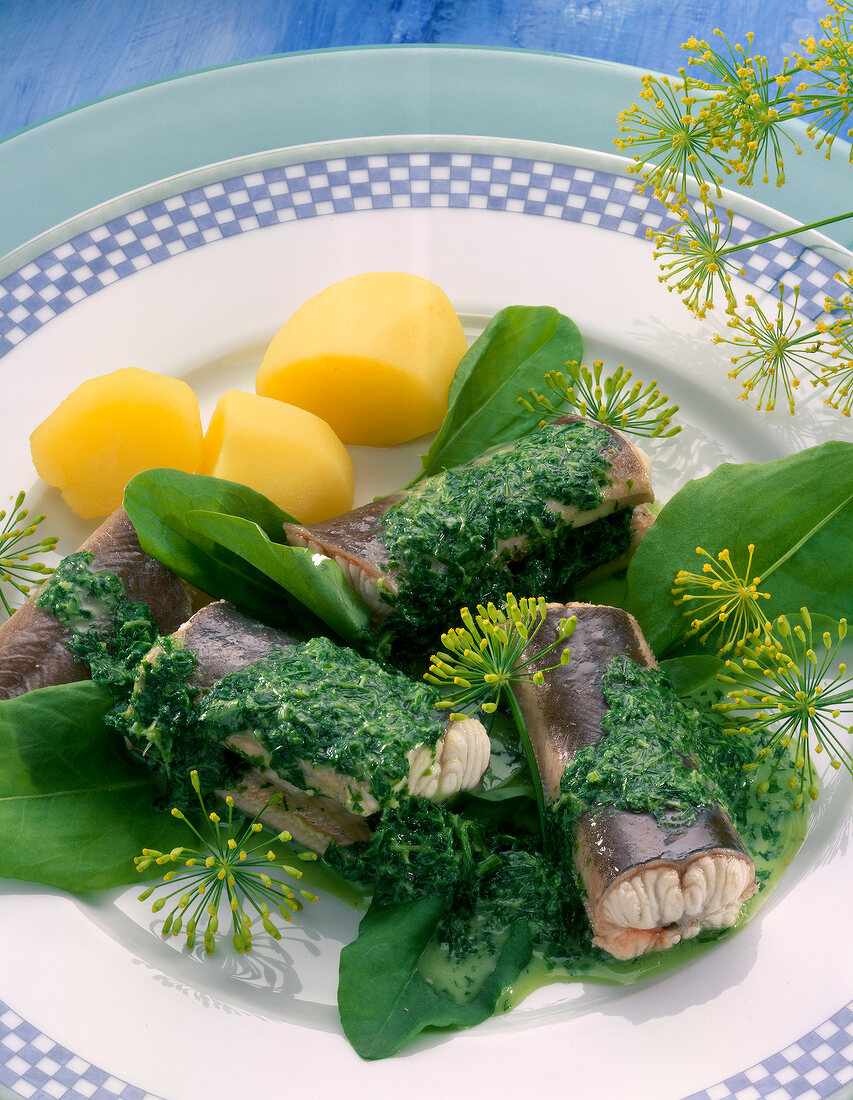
[
  {"x": 655, "y": 755},
  {"x": 494, "y": 872},
  {"x": 161, "y": 721},
  {"x": 466, "y": 535},
  {"x": 327, "y": 705},
  {"x": 156, "y": 700},
  {"x": 76, "y": 595}
]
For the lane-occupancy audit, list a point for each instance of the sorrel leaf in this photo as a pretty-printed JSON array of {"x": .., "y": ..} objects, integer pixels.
[
  {"x": 74, "y": 806},
  {"x": 315, "y": 582},
  {"x": 228, "y": 541},
  {"x": 801, "y": 503},
  {"x": 385, "y": 1001},
  {"x": 514, "y": 353}
]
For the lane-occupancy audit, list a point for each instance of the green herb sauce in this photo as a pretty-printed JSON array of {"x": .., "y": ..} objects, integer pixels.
[
  {"x": 107, "y": 631},
  {"x": 327, "y": 705},
  {"x": 161, "y": 721},
  {"x": 495, "y": 872},
  {"x": 114, "y": 649},
  {"x": 150, "y": 677},
  {"x": 655, "y": 755},
  {"x": 466, "y": 535},
  {"x": 76, "y": 595}
]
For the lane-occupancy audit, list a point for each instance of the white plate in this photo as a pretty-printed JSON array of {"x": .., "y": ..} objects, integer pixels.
[{"x": 191, "y": 277}]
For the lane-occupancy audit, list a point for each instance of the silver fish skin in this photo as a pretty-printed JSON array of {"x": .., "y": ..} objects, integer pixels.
[
  {"x": 33, "y": 651},
  {"x": 354, "y": 540},
  {"x": 648, "y": 885},
  {"x": 223, "y": 640}
]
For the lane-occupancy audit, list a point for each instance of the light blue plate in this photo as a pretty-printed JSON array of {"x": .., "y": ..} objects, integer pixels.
[
  {"x": 90, "y": 156},
  {"x": 77, "y": 160}
]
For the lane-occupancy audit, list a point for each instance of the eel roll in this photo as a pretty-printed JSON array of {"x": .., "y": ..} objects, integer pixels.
[
  {"x": 539, "y": 514},
  {"x": 33, "y": 642},
  {"x": 338, "y": 736},
  {"x": 653, "y": 871}
]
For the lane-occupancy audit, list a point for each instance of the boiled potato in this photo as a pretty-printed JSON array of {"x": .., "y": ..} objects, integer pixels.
[
  {"x": 290, "y": 455},
  {"x": 372, "y": 355},
  {"x": 111, "y": 428}
]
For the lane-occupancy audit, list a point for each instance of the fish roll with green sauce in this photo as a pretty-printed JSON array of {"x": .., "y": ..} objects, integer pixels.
[
  {"x": 537, "y": 515},
  {"x": 325, "y": 719},
  {"x": 631, "y": 792}
]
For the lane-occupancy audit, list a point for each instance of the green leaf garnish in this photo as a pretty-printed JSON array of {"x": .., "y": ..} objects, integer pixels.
[{"x": 515, "y": 350}]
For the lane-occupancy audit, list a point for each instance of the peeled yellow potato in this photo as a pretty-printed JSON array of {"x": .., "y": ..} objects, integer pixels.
[
  {"x": 111, "y": 428},
  {"x": 373, "y": 356},
  {"x": 286, "y": 453}
]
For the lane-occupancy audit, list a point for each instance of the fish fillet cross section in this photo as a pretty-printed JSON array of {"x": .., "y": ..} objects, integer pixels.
[
  {"x": 649, "y": 881},
  {"x": 553, "y": 507}
]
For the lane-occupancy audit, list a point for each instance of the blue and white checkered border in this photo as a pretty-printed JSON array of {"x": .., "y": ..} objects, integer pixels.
[
  {"x": 90, "y": 261},
  {"x": 33, "y": 1065}
]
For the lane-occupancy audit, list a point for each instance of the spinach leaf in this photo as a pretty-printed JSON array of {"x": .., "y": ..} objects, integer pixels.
[
  {"x": 229, "y": 541},
  {"x": 158, "y": 501},
  {"x": 383, "y": 999},
  {"x": 695, "y": 676},
  {"x": 797, "y": 510},
  {"x": 316, "y": 582},
  {"x": 514, "y": 353},
  {"x": 74, "y": 806}
]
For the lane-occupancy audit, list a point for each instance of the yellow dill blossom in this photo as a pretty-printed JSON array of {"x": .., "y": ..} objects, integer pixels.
[
  {"x": 483, "y": 658},
  {"x": 748, "y": 107},
  {"x": 837, "y": 375},
  {"x": 728, "y": 118},
  {"x": 827, "y": 93},
  {"x": 638, "y": 410},
  {"x": 776, "y": 353},
  {"x": 786, "y": 692},
  {"x": 668, "y": 135},
  {"x": 485, "y": 655},
  {"x": 694, "y": 259},
  {"x": 17, "y": 569},
  {"x": 225, "y": 868},
  {"x": 719, "y": 599}
]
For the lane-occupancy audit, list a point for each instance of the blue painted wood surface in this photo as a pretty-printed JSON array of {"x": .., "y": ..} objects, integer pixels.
[{"x": 59, "y": 54}]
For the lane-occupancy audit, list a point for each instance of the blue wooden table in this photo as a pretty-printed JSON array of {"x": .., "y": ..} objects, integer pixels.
[{"x": 58, "y": 54}]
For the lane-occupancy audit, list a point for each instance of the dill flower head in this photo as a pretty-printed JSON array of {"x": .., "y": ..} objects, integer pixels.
[
  {"x": 482, "y": 658},
  {"x": 17, "y": 568},
  {"x": 668, "y": 135},
  {"x": 225, "y": 866},
  {"x": 719, "y": 599},
  {"x": 749, "y": 104},
  {"x": 638, "y": 410},
  {"x": 786, "y": 692},
  {"x": 827, "y": 93},
  {"x": 776, "y": 352},
  {"x": 837, "y": 375},
  {"x": 694, "y": 258}
]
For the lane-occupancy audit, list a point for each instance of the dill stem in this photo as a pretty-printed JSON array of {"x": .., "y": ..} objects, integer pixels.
[
  {"x": 786, "y": 233},
  {"x": 530, "y": 757}
]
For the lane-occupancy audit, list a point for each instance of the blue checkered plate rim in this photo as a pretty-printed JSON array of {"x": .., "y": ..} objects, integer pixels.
[{"x": 74, "y": 262}]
